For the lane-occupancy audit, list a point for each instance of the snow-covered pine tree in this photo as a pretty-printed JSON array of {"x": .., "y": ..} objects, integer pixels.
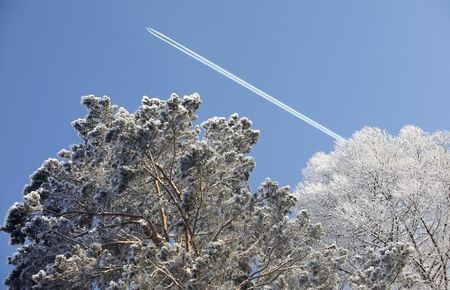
[{"x": 150, "y": 201}]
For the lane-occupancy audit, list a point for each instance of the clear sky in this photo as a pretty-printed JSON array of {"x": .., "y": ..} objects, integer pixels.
[{"x": 346, "y": 64}]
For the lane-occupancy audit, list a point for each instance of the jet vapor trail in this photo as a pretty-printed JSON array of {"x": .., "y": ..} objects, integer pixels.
[{"x": 243, "y": 83}]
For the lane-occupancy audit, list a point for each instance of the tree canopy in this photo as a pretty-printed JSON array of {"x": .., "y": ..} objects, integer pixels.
[
  {"x": 149, "y": 200},
  {"x": 376, "y": 189}
]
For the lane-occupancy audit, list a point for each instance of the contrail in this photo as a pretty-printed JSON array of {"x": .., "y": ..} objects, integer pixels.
[{"x": 243, "y": 83}]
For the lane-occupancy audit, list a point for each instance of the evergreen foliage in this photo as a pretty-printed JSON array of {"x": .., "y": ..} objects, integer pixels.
[{"x": 151, "y": 201}]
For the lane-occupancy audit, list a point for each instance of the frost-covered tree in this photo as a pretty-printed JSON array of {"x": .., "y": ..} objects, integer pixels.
[
  {"x": 382, "y": 268},
  {"x": 376, "y": 189},
  {"x": 151, "y": 201}
]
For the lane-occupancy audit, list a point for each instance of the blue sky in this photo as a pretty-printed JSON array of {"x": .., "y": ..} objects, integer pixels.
[{"x": 346, "y": 64}]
